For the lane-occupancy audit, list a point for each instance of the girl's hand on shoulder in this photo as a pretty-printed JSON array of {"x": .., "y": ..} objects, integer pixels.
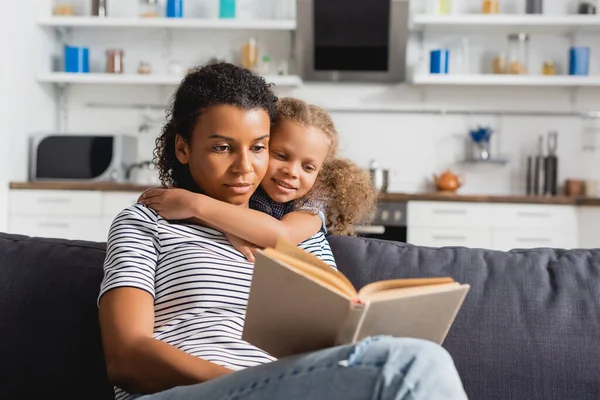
[
  {"x": 244, "y": 247},
  {"x": 171, "y": 203}
]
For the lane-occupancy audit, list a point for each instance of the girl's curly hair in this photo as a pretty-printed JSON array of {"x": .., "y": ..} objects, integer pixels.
[
  {"x": 211, "y": 85},
  {"x": 344, "y": 188}
]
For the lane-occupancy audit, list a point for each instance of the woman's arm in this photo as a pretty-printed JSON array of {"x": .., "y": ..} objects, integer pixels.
[
  {"x": 295, "y": 227},
  {"x": 135, "y": 361}
]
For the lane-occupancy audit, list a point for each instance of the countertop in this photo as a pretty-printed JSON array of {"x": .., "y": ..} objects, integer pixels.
[{"x": 384, "y": 197}]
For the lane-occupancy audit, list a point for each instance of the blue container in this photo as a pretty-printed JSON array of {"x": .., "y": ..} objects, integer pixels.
[
  {"x": 579, "y": 61},
  {"x": 77, "y": 59},
  {"x": 174, "y": 8},
  {"x": 438, "y": 63},
  {"x": 227, "y": 9}
]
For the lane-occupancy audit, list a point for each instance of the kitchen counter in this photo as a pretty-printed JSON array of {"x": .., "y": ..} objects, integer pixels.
[
  {"x": 100, "y": 186},
  {"x": 385, "y": 197},
  {"x": 390, "y": 197}
]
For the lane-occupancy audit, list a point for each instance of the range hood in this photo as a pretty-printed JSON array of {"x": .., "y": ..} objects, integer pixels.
[{"x": 352, "y": 40}]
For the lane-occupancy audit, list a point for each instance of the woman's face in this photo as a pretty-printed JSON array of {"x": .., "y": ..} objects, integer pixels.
[{"x": 228, "y": 152}]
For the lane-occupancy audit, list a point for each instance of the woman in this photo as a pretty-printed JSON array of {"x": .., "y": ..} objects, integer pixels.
[{"x": 173, "y": 298}]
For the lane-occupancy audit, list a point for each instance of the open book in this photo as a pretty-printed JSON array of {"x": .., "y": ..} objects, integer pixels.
[{"x": 299, "y": 304}]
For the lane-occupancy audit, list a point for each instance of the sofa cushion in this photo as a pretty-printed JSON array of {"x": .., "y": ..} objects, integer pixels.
[
  {"x": 49, "y": 332},
  {"x": 530, "y": 325}
]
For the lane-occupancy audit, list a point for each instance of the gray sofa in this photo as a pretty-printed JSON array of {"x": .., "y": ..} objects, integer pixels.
[{"x": 529, "y": 328}]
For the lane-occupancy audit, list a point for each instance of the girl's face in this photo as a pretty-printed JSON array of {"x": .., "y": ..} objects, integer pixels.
[
  {"x": 227, "y": 152},
  {"x": 297, "y": 155}
]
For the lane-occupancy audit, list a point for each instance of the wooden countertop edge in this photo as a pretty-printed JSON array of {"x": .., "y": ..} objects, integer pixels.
[{"x": 384, "y": 197}]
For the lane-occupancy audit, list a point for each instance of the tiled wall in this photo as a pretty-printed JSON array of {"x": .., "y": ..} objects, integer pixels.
[{"x": 412, "y": 145}]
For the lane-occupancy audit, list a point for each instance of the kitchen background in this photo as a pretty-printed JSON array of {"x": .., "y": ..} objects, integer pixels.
[{"x": 414, "y": 129}]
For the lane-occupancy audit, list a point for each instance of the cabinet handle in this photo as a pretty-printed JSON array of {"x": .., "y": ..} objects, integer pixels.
[
  {"x": 456, "y": 212},
  {"x": 62, "y": 225},
  {"x": 371, "y": 229},
  {"x": 533, "y": 214},
  {"x": 54, "y": 200},
  {"x": 449, "y": 237},
  {"x": 534, "y": 240}
]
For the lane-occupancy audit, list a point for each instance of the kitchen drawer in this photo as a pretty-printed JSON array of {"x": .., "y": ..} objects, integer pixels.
[
  {"x": 448, "y": 214},
  {"x": 533, "y": 238},
  {"x": 114, "y": 203},
  {"x": 82, "y": 228},
  {"x": 441, "y": 237},
  {"x": 55, "y": 202},
  {"x": 534, "y": 216}
]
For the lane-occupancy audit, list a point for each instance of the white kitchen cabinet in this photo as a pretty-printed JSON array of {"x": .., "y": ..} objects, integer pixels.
[
  {"x": 64, "y": 227},
  {"x": 443, "y": 237},
  {"x": 448, "y": 214},
  {"x": 534, "y": 216},
  {"x": 55, "y": 202},
  {"x": 589, "y": 227},
  {"x": 494, "y": 226},
  {"x": 66, "y": 214},
  {"x": 507, "y": 239}
]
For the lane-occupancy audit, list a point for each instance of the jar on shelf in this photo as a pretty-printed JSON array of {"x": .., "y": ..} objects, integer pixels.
[
  {"x": 518, "y": 53},
  {"x": 490, "y": 7},
  {"x": 114, "y": 61},
  {"x": 549, "y": 68},
  {"x": 148, "y": 8}
]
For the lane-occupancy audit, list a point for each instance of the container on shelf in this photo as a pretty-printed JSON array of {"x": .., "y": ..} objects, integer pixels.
[
  {"x": 99, "y": 8},
  {"x": 149, "y": 9},
  {"x": 76, "y": 59},
  {"x": 518, "y": 53},
  {"x": 549, "y": 68},
  {"x": 64, "y": 8},
  {"x": 579, "y": 61},
  {"x": 250, "y": 54},
  {"x": 227, "y": 9},
  {"x": 442, "y": 7},
  {"x": 490, "y": 7},
  {"x": 534, "y": 7},
  {"x": 114, "y": 61},
  {"x": 499, "y": 65},
  {"x": 174, "y": 9}
]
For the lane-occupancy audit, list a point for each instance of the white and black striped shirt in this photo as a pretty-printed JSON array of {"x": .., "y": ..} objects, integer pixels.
[{"x": 199, "y": 282}]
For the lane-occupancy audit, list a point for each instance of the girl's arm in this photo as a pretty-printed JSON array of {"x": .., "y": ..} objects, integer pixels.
[{"x": 295, "y": 227}]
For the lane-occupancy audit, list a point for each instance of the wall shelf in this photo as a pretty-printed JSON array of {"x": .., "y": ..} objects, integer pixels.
[
  {"x": 139, "y": 79},
  {"x": 506, "y": 80},
  {"x": 506, "y": 23},
  {"x": 169, "y": 23}
]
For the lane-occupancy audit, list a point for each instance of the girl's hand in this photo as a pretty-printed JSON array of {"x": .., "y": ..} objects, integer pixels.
[
  {"x": 244, "y": 247},
  {"x": 171, "y": 203}
]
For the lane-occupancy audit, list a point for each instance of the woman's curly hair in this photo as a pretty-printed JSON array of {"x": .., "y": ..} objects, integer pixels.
[
  {"x": 344, "y": 187},
  {"x": 211, "y": 85}
]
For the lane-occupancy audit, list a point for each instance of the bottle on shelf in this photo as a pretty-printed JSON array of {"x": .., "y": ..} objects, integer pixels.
[
  {"x": 250, "y": 54},
  {"x": 442, "y": 7},
  {"x": 490, "y": 7},
  {"x": 518, "y": 53}
]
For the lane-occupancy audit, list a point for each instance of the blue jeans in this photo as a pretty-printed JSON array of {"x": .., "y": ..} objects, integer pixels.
[{"x": 377, "y": 368}]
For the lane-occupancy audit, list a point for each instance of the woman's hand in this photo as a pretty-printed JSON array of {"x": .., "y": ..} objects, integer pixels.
[
  {"x": 171, "y": 203},
  {"x": 244, "y": 247}
]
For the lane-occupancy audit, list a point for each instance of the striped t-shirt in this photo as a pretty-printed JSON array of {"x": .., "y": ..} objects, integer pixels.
[{"x": 199, "y": 282}]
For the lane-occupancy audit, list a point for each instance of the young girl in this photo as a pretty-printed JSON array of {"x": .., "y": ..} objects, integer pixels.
[{"x": 303, "y": 179}]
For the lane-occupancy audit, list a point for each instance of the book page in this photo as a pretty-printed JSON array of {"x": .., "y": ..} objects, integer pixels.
[
  {"x": 287, "y": 248},
  {"x": 399, "y": 284},
  {"x": 289, "y": 314},
  {"x": 423, "y": 313}
]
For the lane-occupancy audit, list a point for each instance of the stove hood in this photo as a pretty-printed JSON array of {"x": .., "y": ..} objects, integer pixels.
[{"x": 352, "y": 40}]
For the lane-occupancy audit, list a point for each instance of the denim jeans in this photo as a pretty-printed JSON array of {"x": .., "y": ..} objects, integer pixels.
[{"x": 376, "y": 368}]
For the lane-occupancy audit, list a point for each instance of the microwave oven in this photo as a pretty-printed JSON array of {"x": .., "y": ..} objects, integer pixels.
[{"x": 56, "y": 157}]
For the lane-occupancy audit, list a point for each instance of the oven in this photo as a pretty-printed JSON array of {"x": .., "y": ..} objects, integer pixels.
[{"x": 389, "y": 222}]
